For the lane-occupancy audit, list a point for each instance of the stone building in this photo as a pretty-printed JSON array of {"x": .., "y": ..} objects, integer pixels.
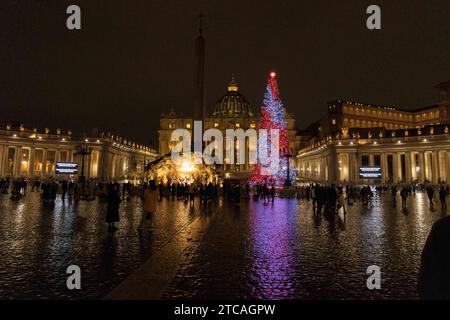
[
  {"x": 28, "y": 153},
  {"x": 232, "y": 111},
  {"x": 408, "y": 145}
]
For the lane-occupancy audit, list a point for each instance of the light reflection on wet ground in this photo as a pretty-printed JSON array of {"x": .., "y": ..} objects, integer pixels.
[
  {"x": 38, "y": 242},
  {"x": 282, "y": 250},
  {"x": 272, "y": 251}
]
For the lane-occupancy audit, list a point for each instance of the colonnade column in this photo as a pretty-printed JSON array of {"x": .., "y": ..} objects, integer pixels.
[
  {"x": 2, "y": 159},
  {"x": 17, "y": 161},
  {"x": 408, "y": 167},
  {"x": 31, "y": 162},
  {"x": 447, "y": 167},
  {"x": 5, "y": 160},
  {"x": 395, "y": 167},
  {"x": 443, "y": 165},
  {"x": 44, "y": 162},
  {"x": 421, "y": 176},
  {"x": 435, "y": 167},
  {"x": 384, "y": 168}
]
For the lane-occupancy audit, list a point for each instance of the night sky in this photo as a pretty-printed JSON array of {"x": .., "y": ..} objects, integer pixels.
[{"x": 133, "y": 60}]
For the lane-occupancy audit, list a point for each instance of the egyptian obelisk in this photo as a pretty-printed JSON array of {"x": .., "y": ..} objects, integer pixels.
[
  {"x": 198, "y": 112},
  {"x": 199, "y": 77}
]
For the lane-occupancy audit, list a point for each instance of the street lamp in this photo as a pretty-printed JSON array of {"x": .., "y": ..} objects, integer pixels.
[
  {"x": 83, "y": 151},
  {"x": 287, "y": 182}
]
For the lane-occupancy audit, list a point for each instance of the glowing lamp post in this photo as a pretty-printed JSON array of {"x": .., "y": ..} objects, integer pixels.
[
  {"x": 83, "y": 151},
  {"x": 287, "y": 182}
]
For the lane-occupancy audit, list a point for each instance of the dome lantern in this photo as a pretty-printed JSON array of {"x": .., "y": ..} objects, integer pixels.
[
  {"x": 232, "y": 103},
  {"x": 233, "y": 86}
]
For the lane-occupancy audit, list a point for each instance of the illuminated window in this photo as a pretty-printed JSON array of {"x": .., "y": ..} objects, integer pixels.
[
  {"x": 171, "y": 125},
  {"x": 252, "y": 125},
  {"x": 237, "y": 125},
  {"x": 333, "y": 121},
  {"x": 188, "y": 125},
  {"x": 216, "y": 124}
]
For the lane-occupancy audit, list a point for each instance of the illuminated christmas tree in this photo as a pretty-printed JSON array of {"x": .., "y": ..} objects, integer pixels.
[{"x": 273, "y": 117}]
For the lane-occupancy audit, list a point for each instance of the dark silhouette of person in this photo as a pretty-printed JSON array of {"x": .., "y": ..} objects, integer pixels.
[
  {"x": 443, "y": 195},
  {"x": 112, "y": 210},
  {"x": 434, "y": 274},
  {"x": 430, "y": 193}
]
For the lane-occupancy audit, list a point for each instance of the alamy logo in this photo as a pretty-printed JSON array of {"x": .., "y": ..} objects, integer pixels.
[
  {"x": 374, "y": 20},
  {"x": 262, "y": 149},
  {"x": 73, "y": 21},
  {"x": 374, "y": 280},
  {"x": 74, "y": 280}
]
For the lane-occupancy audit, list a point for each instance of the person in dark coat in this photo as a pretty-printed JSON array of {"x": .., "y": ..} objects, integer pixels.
[
  {"x": 64, "y": 187},
  {"x": 272, "y": 193},
  {"x": 430, "y": 193},
  {"x": 434, "y": 274},
  {"x": 443, "y": 195},
  {"x": 112, "y": 211}
]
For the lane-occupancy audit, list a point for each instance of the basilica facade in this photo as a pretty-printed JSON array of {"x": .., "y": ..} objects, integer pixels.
[
  {"x": 407, "y": 145},
  {"x": 232, "y": 111}
]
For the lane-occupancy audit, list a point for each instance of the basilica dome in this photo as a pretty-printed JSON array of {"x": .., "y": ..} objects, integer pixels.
[{"x": 232, "y": 103}]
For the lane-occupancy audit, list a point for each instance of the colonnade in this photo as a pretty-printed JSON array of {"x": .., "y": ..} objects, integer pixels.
[
  {"x": 33, "y": 161},
  {"x": 397, "y": 166}
]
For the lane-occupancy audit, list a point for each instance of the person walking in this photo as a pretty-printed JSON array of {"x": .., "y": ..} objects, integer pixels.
[
  {"x": 191, "y": 189},
  {"x": 112, "y": 210},
  {"x": 64, "y": 187},
  {"x": 341, "y": 202},
  {"x": 313, "y": 195},
  {"x": 404, "y": 195},
  {"x": 430, "y": 193},
  {"x": 150, "y": 199},
  {"x": 443, "y": 195},
  {"x": 272, "y": 193}
]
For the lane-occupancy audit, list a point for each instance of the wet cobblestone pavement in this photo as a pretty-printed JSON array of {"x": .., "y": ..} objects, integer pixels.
[
  {"x": 272, "y": 251},
  {"x": 38, "y": 242},
  {"x": 282, "y": 251}
]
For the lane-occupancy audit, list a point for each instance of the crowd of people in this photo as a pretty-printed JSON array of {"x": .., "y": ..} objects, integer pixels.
[
  {"x": 333, "y": 196},
  {"x": 326, "y": 199}
]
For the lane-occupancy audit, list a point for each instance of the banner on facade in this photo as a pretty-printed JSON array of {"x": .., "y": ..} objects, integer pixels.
[
  {"x": 66, "y": 168},
  {"x": 373, "y": 172}
]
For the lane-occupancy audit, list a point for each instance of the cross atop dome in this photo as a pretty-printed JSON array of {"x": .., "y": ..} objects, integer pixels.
[{"x": 233, "y": 86}]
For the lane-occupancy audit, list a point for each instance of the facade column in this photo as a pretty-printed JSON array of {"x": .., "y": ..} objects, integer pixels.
[
  {"x": 401, "y": 175},
  {"x": 88, "y": 163},
  {"x": 383, "y": 167},
  {"x": 447, "y": 167},
  {"x": 371, "y": 159},
  {"x": 332, "y": 167},
  {"x": 414, "y": 173},
  {"x": 17, "y": 160},
  {"x": 2, "y": 159},
  {"x": 435, "y": 166},
  {"x": 57, "y": 155},
  {"x": 99, "y": 163},
  {"x": 395, "y": 168},
  {"x": 31, "y": 162},
  {"x": 408, "y": 167},
  {"x": 350, "y": 167},
  {"x": 421, "y": 176},
  {"x": 443, "y": 165},
  {"x": 5, "y": 160},
  {"x": 44, "y": 162},
  {"x": 355, "y": 164}
]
